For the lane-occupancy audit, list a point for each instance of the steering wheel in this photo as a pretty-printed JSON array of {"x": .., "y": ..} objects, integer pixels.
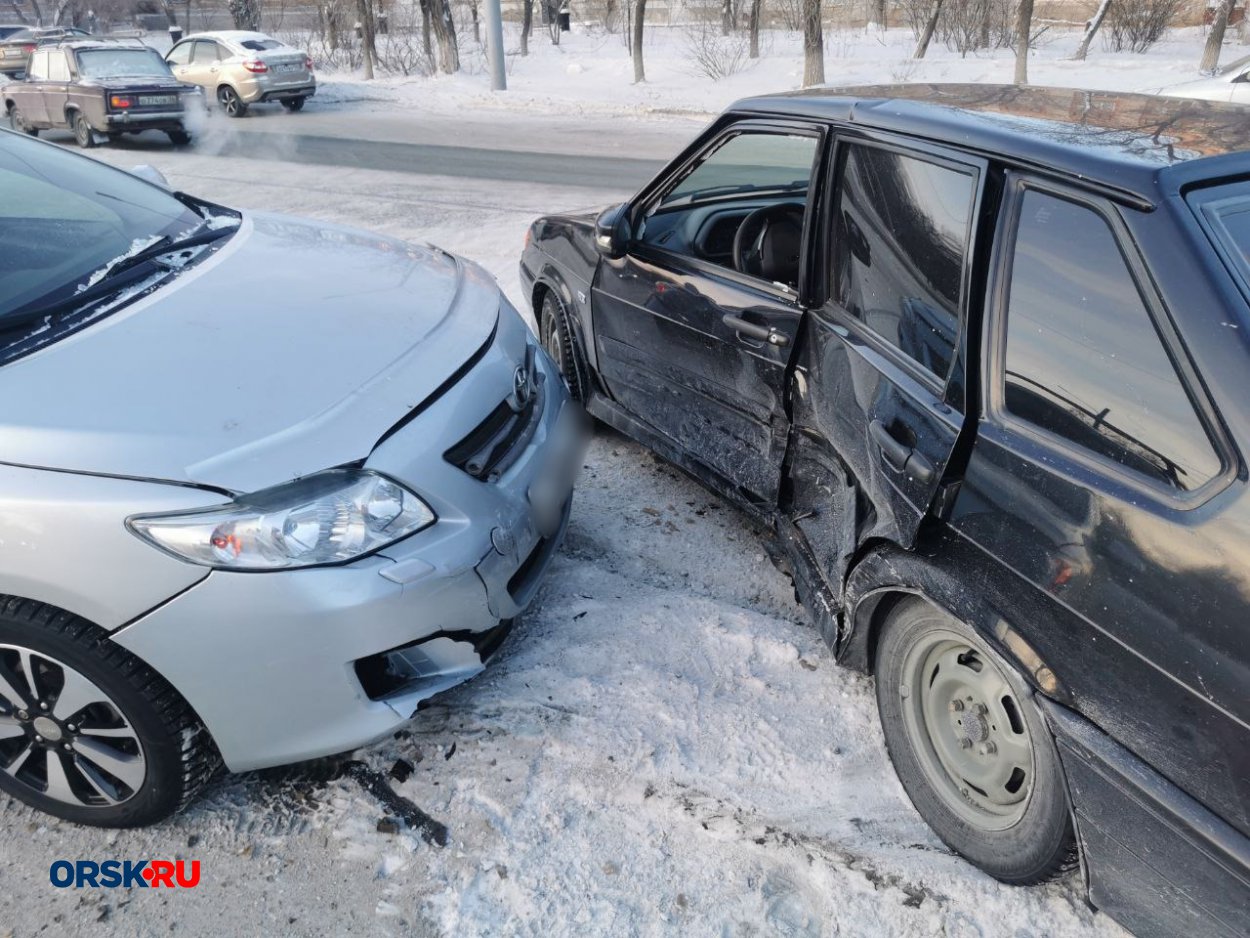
[{"x": 768, "y": 242}]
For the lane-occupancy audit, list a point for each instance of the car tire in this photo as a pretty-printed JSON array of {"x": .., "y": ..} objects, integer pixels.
[
  {"x": 82, "y": 130},
  {"x": 179, "y": 138},
  {"x": 231, "y": 104},
  {"x": 125, "y": 750},
  {"x": 293, "y": 104},
  {"x": 17, "y": 121},
  {"x": 971, "y": 749},
  {"x": 556, "y": 331}
]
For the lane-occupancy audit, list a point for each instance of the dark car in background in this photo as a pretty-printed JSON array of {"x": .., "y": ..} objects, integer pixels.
[
  {"x": 94, "y": 87},
  {"x": 18, "y": 44},
  {"x": 978, "y": 357}
]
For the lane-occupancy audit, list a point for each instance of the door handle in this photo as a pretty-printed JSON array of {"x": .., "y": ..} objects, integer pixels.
[
  {"x": 899, "y": 456},
  {"x": 756, "y": 331}
]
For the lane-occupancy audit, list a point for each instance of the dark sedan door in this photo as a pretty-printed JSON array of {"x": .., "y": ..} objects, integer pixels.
[
  {"x": 882, "y": 375},
  {"x": 695, "y": 342}
]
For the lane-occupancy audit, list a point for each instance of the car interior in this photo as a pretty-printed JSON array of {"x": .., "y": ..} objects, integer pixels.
[{"x": 740, "y": 205}]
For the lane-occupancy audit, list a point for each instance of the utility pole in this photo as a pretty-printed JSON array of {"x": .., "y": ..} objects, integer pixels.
[{"x": 494, "y": 46}]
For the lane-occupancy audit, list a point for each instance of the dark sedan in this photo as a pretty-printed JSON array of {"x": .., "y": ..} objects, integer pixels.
[
  {"x": 17, "y": 44},
  {"x": 978, "y": 357}
]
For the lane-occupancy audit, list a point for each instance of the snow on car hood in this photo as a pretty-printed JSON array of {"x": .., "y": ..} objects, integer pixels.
[{"x": 293, "y": 349}]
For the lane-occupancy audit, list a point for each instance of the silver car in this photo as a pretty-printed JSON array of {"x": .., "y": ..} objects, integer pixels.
[
  {"x": 266, "y": 484},
  {"x": 1231, "y": 84},
  {"x": 238, "y": 68}
]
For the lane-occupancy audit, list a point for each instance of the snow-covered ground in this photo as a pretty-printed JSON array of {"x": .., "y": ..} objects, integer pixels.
[{"x": 663, "y": 747}]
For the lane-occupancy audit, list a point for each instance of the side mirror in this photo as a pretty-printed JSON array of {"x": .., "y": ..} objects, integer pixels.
[
  {"x": 151, "y": 174},
  {"x": 612, "y": 232}
]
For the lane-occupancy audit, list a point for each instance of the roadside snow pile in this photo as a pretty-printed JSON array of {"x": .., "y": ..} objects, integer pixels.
[{"x": 590, "y": 72}]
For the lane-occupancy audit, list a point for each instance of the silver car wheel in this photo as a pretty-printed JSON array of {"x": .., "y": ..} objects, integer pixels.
[{"x": 63, "y": 737}]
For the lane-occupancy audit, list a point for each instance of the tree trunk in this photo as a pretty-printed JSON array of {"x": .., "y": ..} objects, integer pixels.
[
  {"x": 527, "y": 23},
  {"x": 245, "y": 13},
  {"x": 726, "y": 17},
  {"x": 813, "y": 45},
  {"x": 1215, "y": 38},
  {"x": 881, "y": 14},
  {"x": 1024, "y": 31},
  {"x": 930, "y": 27},
  {"x": 640, "y": 19},
  {"x": 426, "y": 45},
  {"x": 754, "y": 27},
  {"x": 445, "y": 36},
  {"x": 1091, "y": 28},
  {"x": 366, "y": 37},
  {"x": 477, "y": 27}
]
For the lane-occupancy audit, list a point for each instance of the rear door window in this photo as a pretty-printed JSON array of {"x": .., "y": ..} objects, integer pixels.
[
  {"x": 58, "y": 69},
  {"x": 205, "y": 53},
  {"x": 1084, "y": 360},
  {"x": 901, "y": 231}
]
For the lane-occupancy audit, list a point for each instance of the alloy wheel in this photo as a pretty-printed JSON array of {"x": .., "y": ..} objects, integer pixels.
[
  {"x": 228, "y": 98},
  {"x": 968, "y": 730},
  {"x": 61, "y": 736}
]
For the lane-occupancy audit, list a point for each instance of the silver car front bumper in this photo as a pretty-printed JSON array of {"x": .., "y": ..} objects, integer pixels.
[{"x": 293, "y": 665}]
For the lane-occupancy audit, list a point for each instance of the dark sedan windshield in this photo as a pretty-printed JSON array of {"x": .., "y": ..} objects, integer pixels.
[
  {"x": 122, "y": 63},
  {"x": 64, "y": 218}
]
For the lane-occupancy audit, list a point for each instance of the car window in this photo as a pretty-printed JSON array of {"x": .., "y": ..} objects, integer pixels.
[
  {"x": 260, "y": 45},
  {"x": 1083, "y": 358},
  {"x": 901, "y": 229},
  {"x": 205, "y": 53},
  {"x": 223, "y": 52},
  {"x": 58, "y": 68},
  {"x": 121, "y": 63},
  {"x": 181, "y": 53},
  {"x": 755, "y": 181},
  {"x": 37, "y": 66}
]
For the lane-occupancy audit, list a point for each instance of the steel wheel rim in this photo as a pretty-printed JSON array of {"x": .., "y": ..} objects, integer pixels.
[
  {"x": 81, "y": 130},
  {"x": 15, "y": 120},
  {"x": 62, "y": 737},
  {"x": 967, "y": 729}
]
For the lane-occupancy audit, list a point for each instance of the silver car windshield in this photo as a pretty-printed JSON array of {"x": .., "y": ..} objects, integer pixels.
[
  {"x": 121, "y": 63},
  {"x": 64, "y": 217}
]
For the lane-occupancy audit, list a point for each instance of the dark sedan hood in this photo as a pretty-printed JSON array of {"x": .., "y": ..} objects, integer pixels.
[{"x": 292, "y": 350}]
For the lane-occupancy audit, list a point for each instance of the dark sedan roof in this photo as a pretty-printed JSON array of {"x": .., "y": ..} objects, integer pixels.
[{"x": 1118, "y": 140}]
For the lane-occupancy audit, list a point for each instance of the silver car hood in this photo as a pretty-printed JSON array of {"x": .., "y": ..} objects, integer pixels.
[{"x": 293, "y": 349}]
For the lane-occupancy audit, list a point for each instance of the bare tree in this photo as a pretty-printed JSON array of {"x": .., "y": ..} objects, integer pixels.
[
  {"x": 445, "y": 35},
  {"x": 1091, "y": 28},
  {"x": 18, "y": 11},
  {"x": 754, "y": 27},
  {"x": 426, "y": 45},
  {"x": 245, "y": 13},
  {"x": 367, "y": 37},
  {"x": 813, "y": 45},
  {"x": 1024, "y": 32},
  {"x": 640, "y": 17},
  {"x": 930, "y": 26},
  {"x": 1139, "y": 24},
  {"x": 1215, "y": 38},
  {"x": 527, "y": 23}
]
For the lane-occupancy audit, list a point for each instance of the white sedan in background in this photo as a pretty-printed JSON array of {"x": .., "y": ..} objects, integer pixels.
[{"x": 1231, "y": 83}]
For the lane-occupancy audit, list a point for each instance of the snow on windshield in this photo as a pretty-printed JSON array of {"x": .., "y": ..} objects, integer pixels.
[{"x": 118, "y": 63}]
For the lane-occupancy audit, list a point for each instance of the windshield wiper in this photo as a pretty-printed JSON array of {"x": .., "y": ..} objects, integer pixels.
[{"x": 166, "y": 244}]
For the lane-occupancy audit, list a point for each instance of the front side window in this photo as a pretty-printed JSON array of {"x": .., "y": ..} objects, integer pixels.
[
  {"x": 901, "y": 229},
  {"x": 121, "y": 63},
  {"x": 1084, "y": 360},
  {"x": 181, "y": 54},
  {"x": 741, "y": 205}
]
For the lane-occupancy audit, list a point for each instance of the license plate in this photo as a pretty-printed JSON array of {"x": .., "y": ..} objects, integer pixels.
[
  {"x": 290, "y": 67},
  {"x": 151, "y": 100}
]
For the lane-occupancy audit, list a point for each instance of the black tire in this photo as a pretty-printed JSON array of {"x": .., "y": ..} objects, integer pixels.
[
  {"x": 231, "y": 104},
  {"x": 293, "y": 104},
  {"x": 17, "y": 121},
  {"x": 556, "y": 333},
  {"x": 178, "y": 756},
  {"x": 82, "y": 130},
  {"x": 179, "y": 138},
  {"x": 1031, "y": 843}
]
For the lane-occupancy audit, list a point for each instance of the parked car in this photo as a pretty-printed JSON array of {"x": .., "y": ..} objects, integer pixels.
[
  {"x": 8, "y": 29},
  {"x": 16, "y": 47},
  {"x": 978, "y": 356},
  {"x": 246, "y": 520},
  {"x": 1231, "y": 84},
  {"x": 239, "y": 69},
  {"x": 95, "y": 87}
]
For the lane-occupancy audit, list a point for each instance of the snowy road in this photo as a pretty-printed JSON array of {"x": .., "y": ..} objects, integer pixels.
[{"x": 664, "y": 746}]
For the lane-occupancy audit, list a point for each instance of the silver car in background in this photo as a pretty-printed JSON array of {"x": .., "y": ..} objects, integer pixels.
[
  {"x": 237, "y": 69},
  {"x": 1230, "y": 84},
  {"x": 267, "y": 484}
]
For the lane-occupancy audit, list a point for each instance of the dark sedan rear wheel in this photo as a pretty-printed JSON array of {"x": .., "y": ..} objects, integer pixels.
[
  {"x": 293, "y": 104},
  {"x": 82, "y": 131},
  {"x": 230, "y": 101},
  {"x": 970, "y": 747},
  {"x": 17, "y": 121},
  {"x": 557, "y": 337},
  {"x": 179, "y": 138}
]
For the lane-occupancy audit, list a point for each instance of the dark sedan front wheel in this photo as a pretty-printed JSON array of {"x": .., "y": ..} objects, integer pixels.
[
  {"x": 970, "y": 747},
  {"x": 17, "y": 121}
]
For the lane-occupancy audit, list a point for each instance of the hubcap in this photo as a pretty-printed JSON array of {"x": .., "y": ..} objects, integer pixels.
[
  {"x": 80, "y": 749},
  {"x": 967, "y": 728}
]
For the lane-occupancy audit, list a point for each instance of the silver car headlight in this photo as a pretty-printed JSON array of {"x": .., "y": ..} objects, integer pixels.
[{"x": 330, "y": 517}]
